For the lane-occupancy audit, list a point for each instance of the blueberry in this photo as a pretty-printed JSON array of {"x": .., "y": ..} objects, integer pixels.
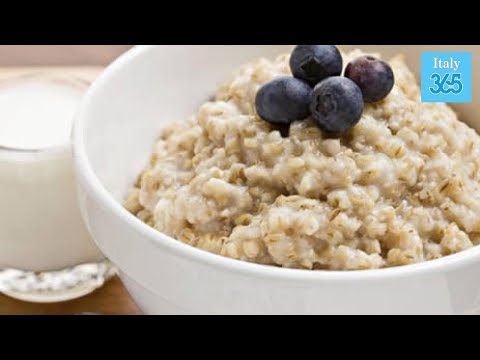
[
  {"x": 375, "y": 77},
  {"x": 314, "y": 63},
  {"x": 337, "y": 105},
  {"x": 284, "y": 100},
  {"x": 283, "y": 129}
]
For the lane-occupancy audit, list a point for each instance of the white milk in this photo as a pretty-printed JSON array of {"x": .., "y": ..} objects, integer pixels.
[
  {"x": 40, "y": 224},
  {"x": 36, "y": 115}
]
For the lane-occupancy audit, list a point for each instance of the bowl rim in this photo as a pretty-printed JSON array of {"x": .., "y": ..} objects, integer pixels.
[{"x": 87, "y": 178}]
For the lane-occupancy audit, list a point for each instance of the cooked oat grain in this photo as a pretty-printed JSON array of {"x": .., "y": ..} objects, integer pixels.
[{"x": 401, "y": 188}]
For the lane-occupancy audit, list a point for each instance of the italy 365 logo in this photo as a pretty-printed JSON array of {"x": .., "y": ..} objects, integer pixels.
[{"x": 447, "y": 77}]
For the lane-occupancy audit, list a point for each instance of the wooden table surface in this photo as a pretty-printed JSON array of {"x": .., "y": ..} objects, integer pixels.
[{"x": 112, "y": 298}]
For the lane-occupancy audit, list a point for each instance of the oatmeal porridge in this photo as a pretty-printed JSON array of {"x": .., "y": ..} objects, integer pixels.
[{"x": 401, "y": 187}]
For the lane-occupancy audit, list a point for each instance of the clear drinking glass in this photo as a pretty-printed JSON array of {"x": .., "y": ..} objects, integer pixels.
[{"x": 46, "y": 253}]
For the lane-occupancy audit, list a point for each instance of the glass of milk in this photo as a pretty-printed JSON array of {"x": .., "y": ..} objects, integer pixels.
[{"x": 40, "y": 224}]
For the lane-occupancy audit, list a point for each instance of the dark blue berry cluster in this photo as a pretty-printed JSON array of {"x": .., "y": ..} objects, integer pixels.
[{"x": 317, "y": 89}]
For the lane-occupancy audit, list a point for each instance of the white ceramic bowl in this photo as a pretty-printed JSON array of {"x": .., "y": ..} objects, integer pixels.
[{"x": 118, "y": 122}]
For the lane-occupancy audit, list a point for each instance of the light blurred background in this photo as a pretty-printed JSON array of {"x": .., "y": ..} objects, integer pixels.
[{"x": 33, "y": 55}]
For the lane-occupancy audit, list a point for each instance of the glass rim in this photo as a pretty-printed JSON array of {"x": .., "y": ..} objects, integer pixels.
[{"x": 45, "y": 75}]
